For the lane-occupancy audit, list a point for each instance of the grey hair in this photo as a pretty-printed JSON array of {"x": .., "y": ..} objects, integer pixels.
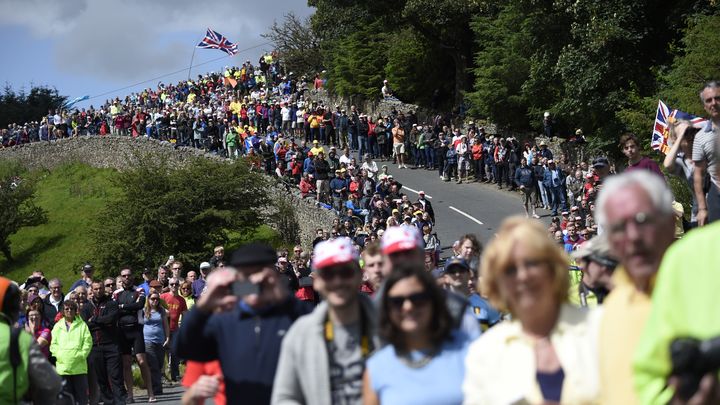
[
  {"x": 712, "y": 84},
  {"x": 651, "y": 183}
]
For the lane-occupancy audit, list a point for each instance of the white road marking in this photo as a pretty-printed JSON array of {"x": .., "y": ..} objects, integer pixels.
[
  {"x": 466, "y": 215},
  {"x": 415, "y": 191}
]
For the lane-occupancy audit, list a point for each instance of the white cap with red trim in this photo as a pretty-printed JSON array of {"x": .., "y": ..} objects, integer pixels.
[
  {"x": 400, "y": 238},
  {"x": 334, "y": 251}
]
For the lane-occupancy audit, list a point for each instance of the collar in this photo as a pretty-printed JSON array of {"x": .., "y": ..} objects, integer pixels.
[{"x": 622, "y": 279}]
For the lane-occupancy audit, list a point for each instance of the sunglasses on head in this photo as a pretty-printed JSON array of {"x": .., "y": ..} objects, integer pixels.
[
  {"x": 417, "y": 299},
  {"x": 330, "y": 274}
]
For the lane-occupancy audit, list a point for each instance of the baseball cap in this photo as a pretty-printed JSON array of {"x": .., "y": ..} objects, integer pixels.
[
  {"x": 87, "y": 267},
  {"x": 205, "y": 265},
  {"x": 600, "y": 162},
  {"x": 252, "y": 254},
  {"x": 400, "y": 238},
  {"x": 421, "y": 192},
  {"x": 456, "y": 261},
  {"x": 596, "y": 249},
  {"x": 155, "y": 284},
  {"x": 315, "y": 141},
  {"x": 333, "y": 252}
]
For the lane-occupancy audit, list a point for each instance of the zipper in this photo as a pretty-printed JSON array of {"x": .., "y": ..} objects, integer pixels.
[{"x": 257, "y": 331}]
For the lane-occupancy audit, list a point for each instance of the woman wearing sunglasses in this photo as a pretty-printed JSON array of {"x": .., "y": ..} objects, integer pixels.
[
  {"x": 423, "y": 362},
  {"x": 547, "y": 353},
  {"x": 156, "y": 332},
  {"x": 71, "y": 345}
]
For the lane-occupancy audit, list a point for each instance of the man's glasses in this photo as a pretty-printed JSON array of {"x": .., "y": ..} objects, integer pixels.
[
  {"x": 125, "y": 275},
  {"x": 110, "y": 285}
]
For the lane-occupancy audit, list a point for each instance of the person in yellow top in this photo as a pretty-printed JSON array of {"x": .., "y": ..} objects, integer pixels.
[
  {"x": 317, "y": 148},
  {"x": 191, "y": 98},
  {"x": 71, "y": 344},
  {"x": 235, "y": 107},
  {"x": 635, "y": 211},
  {"x": 547, "y": 353}
]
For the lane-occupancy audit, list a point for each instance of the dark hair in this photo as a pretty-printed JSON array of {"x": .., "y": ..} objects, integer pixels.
[
  {"x": 441, "y": 322},
  {"x": 477, "y": 246},
  {"x": 70, "y": 304},
  {"x": 626, "y": 137}
]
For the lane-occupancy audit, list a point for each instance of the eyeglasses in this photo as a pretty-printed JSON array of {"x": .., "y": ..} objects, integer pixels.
[
  {"x": 154, "y": 299},
  {"x": 174, "y": 284},
  {"x": 125, "y": 275},
  {"x": 110, "y": 285},
  {"x": 417, "y": 300},
  {"x": 69, "y": 309},
  {"x": 641, "y": 220},
  {"x": 329, "y": 275}
]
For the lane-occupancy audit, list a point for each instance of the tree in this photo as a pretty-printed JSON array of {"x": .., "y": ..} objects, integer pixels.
[
  {"x": 17, "y": 205},
  {"x": 297, "y": 44},
  {"x": 23, "y": 107},
  {"x": 183, "y": 211}
]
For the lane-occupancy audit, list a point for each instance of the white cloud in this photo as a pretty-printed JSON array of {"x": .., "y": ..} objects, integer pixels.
[{"x": 127, "y": 40}]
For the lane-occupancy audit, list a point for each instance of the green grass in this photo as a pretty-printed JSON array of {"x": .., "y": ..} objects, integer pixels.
[{"x": 72, "y": 195}]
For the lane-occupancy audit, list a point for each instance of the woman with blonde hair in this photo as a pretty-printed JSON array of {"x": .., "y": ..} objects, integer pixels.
[
  {"x": 547, "y": 353},
  {"x": 678, "y": 160}
]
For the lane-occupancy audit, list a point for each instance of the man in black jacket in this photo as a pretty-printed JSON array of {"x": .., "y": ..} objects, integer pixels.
[
  {"x": 105, "y": 354},
  {"x": 54, "y": 301},
  {"x": 131, "y": 340},
  {"x": 322, "y": 175}
]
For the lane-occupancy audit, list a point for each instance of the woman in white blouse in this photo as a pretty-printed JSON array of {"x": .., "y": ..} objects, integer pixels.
[{"x": 546, "y": 354}]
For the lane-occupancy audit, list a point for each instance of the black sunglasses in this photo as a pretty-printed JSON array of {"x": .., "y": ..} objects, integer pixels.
[{"x": 417, "y": 299}]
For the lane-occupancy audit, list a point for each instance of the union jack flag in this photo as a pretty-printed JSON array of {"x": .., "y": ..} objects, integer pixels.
[
  {"x": 664, "y": 117},
  {"x": 214, "y": 40}
]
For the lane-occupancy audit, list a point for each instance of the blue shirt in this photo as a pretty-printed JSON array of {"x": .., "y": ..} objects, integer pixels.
[
  {"x": 483, "y": 311},
  {"x": 153, "y": 330},
  {"x": 438, "y": 382}
]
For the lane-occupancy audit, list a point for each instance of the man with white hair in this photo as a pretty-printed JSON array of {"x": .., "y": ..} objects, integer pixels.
[
  {"x": 635, "y": 210},
  {"x": 684, "y": 306}
]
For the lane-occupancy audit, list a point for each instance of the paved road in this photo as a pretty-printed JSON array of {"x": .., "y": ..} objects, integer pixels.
[{"x": 461, "y": 208}]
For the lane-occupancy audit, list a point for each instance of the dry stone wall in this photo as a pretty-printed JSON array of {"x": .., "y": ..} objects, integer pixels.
[{"x": 121, "y": 152}]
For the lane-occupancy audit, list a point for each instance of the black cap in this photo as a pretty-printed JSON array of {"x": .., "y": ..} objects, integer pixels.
[
  {"x": 252, "y": 254},
  {"x": 87, "y": 267},
  {"x": 600, "y": 162},
  {"x": 456, "y": 261}
]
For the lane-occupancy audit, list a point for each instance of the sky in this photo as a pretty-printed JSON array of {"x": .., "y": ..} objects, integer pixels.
[{"x": 93, "y": 47}]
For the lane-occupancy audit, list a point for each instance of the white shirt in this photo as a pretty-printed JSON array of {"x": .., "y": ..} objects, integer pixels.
[
  {"x": 285, "y": 112},
  {"x": 345, "y": 159},
  {"x": 371, "y": 168}
]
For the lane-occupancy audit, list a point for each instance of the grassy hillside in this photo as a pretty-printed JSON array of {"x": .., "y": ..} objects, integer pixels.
[{"x": 72, "y": 195}]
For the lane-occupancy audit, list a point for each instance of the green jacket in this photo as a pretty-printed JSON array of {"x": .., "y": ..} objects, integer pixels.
[
  {"x": 684, "y": 304},
  {"x": 6, "y": 372},
  {"x": 71, "y": 347}
]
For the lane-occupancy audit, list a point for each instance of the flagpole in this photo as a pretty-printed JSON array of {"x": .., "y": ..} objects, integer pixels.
[{"x": 193, "y": 55}]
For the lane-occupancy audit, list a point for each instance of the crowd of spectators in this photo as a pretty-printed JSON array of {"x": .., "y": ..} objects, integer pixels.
[{"x": 390, "y": 323}]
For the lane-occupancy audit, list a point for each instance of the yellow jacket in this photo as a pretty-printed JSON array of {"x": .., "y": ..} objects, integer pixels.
[{"x": 501, "y": 368}]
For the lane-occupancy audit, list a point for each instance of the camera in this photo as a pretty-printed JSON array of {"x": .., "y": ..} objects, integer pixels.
[{"x": 691, "y": 360}]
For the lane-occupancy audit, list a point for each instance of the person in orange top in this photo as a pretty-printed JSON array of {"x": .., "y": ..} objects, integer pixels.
[{"x": 203, "y": 380}]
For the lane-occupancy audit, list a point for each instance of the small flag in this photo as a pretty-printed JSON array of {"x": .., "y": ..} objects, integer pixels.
[
  {"x": 214, "y": 40},
  {"x": 230, "y": 81},
  {"x": 75, "y": 101},
  {"x": 664, "y": 117}
]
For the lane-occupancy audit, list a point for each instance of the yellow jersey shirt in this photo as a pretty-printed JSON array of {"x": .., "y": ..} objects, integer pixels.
[{"x": 625, "y": 313}]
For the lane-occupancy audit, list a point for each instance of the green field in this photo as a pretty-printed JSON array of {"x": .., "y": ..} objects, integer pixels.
[{"x": 72, "y": 195}]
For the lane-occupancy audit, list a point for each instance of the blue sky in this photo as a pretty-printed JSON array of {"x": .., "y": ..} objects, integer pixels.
[{"x": 91, "y": 47}]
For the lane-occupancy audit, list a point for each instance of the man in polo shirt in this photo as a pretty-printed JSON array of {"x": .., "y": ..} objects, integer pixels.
[
  {"x": 635, "y": 210},
  {"x": 323, "y": 355},
  {"x": 705, "y": 157},
  {"x": 241, "y": 320},
  {"x": 457, "y": 277}
]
